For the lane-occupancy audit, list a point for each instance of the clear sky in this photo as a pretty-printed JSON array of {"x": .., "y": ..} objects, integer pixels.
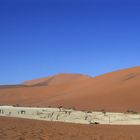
[{"x": 45, "y": 37}]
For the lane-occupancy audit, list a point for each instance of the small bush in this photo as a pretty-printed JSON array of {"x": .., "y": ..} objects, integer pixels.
[
  {"x": 95, "y": 123},
  {"x": 89, "y": 111},
  {"x": 131, "y": 112},
  {"x": 60, "y": 107}
]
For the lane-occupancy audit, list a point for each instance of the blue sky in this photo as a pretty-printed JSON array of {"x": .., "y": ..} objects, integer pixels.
[{"x": 39, "y": 38}]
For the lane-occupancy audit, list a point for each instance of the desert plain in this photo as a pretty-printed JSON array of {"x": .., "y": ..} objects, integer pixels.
[{"x": 23, "y": 129}]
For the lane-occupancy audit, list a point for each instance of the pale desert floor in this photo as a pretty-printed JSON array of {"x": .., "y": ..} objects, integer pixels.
[{"x": 22, "y": 129}]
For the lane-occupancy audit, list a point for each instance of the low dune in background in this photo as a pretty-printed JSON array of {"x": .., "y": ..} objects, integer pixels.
[
  {"x": 55, "y": 80},
  {"x": 22, "y": 129},
  {"x": 116, "y": 91}
]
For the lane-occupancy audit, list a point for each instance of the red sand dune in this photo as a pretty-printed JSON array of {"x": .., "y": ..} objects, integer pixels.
[
  {"x": 115, "y": 91},
  {"x": 55, "y": 80}
]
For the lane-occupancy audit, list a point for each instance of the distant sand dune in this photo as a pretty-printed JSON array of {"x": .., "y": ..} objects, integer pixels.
[{"x": 116, "y": 91}]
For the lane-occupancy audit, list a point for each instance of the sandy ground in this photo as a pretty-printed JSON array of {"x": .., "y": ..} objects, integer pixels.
[{"x": 22, "y": 129}]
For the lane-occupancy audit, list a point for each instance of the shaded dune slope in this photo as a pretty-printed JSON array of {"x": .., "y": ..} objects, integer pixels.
[{"x": 54, "y": 80}]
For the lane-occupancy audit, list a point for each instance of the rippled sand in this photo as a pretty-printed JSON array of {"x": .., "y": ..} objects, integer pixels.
[{"x": 22, "y": 129}]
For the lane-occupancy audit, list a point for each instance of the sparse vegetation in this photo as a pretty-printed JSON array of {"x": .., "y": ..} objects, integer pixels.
[
  {"x": 60, "y": 107},
  {"x": 103, "y": 111},
  {"x": 89, "y": 111},
  {"x": 131, "y": 112},
  {"x": 16, "y": 105},
  {"x": 94, "y": 123}
]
